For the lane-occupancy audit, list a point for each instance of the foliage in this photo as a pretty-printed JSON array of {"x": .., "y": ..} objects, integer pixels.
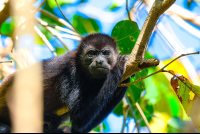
[{"x": 154, "y": 95}]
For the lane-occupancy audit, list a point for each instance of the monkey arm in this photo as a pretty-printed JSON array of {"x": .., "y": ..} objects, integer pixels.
[
  {"x": 106, "y": 100},
  {"x": 118, "y": 95}
]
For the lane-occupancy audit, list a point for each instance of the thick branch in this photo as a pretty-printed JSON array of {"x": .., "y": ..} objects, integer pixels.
[
  {"x": 4, "y": 13},
  {"x": 137, "y": 54},
  {"x": 181, "y": 12}
]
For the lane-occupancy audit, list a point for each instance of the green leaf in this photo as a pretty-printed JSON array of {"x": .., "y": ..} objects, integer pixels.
[
  {"x": 113, "y": 7},
  {"x": 38, "y": 40},
  {"x": 85, "y": 26},
  {"x": 60, "y": 51},
  {"x": 48, "y": 19},
  {"x": 188, "y": 95},
  {"x": 7, "y": 29},
  {"x": 126, "y": 33},
  {"x": 139, "y": 75},
  {"x": 175, "y": 125},
  {"x": 160, "y": 94},
  {"x": 53, "y": 4},
  {"x": 45, "y": 32},
  {"x": 97, "y": 129},
  {"x": 82, "y": 1},
  {"x": 134, "y": 93},
  {"x": 119, "y": 109}
]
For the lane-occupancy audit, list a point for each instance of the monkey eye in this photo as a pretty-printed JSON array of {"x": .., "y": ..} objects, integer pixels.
[
  {"x": 91, "y": 53},
  {"x": 106, "y": 53}
]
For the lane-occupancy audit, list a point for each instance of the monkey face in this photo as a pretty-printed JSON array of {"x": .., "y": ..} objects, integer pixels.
[
  {"x": 98, "y": 54},
  {"x": 99, "y": 62}
]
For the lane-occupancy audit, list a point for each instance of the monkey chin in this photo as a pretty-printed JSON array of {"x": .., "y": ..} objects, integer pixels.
[{"x": 99, "y": 72}]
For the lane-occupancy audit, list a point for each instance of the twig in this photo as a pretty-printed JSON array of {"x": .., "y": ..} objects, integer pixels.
[
  {"x": 5, "y": 61},
  {"x": 161, "y": 70},
  {"x": 125, "y": 113},
  {"x": 52, "y": 31},
  {"x": 62, "y": 21},
  {"x": 178, "y": 58},
  {"x": 128, "y": 10},
  {"x": 143, "y": 116},
  {"x": 131, "y": 112},
  {"x": 45, "y": 40},
  {"x": 65, "y": 16},
  {"x": 57, "y": 27}
]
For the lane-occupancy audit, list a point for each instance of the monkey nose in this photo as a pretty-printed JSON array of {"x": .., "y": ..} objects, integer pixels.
[{"x": 99, "y": 62}]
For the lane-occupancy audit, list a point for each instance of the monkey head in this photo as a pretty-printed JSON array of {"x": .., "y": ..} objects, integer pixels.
[{"x": 98, "y": 54}]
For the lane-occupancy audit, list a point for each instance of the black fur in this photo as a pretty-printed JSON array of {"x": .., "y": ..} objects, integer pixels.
[{"x": 67, "y": 83}]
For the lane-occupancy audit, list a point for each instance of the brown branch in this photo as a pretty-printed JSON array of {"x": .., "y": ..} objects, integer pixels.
[
  {"x": 161, "y": 70},
  {"x": 143, "y": 116},
  {"x": 125, "y": 113},
  {"x": 181, "y": 12},
  {"x": 137, "y": 124},
  {"x": 6, "y": 61},
  {"x": 66, "y": 17},
  {"x": 128, "y": 10},
  {"x": 5, "y": 13},
  {"x": 137, "y": 54}
]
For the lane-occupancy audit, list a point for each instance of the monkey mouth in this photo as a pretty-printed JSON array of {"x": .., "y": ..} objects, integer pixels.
[{"x": 101, "y": 68}]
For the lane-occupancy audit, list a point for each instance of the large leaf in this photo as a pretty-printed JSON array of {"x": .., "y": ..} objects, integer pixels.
[
  {"x": 118, "y": 109},
  {"x": 84, "y": 25},
  {"x": 139, "y": 75},
  {"x": 126, "y": 33},
  {"x": 188, "y": 95}
]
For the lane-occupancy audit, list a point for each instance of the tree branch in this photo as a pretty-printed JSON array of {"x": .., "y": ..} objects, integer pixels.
[
  {"x": 143, "y": 116},
  {"x": 125, "y": 113},
  {"x": 45, "y": 40},
  {"x": 128, "y": 10},
  {"x": 62, "y": 21},
  {"x": 161, "y": 70},
  {"x": 4, "y": 13},
  {"x": 6, "y": 61},
  {"x": 66, "y": 17},
  {"x": 137, "y": 55}
]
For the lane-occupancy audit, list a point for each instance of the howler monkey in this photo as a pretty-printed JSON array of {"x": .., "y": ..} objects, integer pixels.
[{"x": 84, "y": 80}]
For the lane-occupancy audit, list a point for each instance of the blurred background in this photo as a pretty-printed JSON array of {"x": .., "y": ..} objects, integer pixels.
[{"x": 177, "y": 32}]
